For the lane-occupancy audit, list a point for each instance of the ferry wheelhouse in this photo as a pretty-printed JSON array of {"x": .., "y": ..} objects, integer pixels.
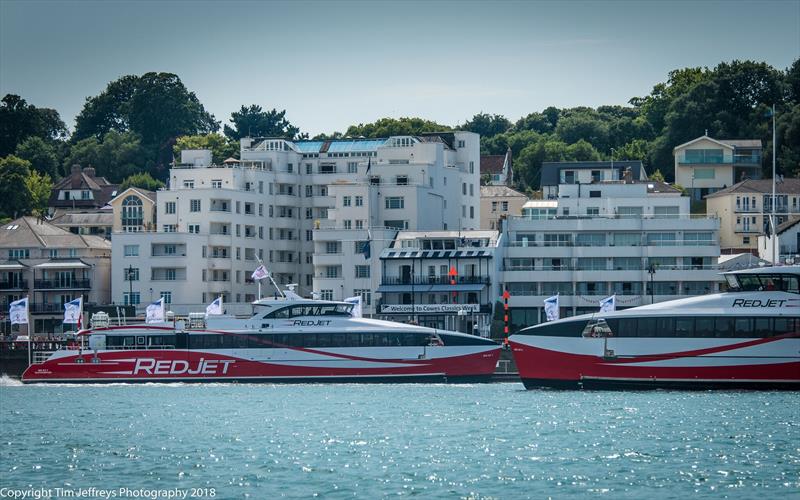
[
  {"x": 285, "y": 340},
  {"x": 747, "y": 337}
]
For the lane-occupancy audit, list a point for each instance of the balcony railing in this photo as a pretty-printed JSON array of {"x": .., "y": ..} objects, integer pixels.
[
  {"x": 434, "y": 280},
  {"x": 14, "y": 285},
  {"x": 61, "y": 284}
]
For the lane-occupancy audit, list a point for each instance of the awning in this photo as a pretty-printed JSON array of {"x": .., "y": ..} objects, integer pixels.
[
  {"x": 404, "y": 288},
  {"x": 4, "y": 267},
  {"x": 435, "y": 254},
  {"x": 61, "y": 265},
  {"x": 457, "y": 288}
]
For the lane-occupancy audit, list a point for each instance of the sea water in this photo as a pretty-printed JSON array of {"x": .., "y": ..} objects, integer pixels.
[{"x": 372, "y": 441}]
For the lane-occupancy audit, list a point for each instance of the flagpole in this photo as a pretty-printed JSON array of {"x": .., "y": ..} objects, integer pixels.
[
  {"x": 30, "y": 329},
  {"x": 772, "y": 217}
]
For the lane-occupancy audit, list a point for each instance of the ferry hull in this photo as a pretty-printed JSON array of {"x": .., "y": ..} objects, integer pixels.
[
  {"x": 459, "y": 365},
  {"x": 756, "y": 364}
]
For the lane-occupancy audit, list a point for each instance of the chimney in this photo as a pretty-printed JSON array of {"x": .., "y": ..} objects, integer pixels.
[
  {"x": 89, "y": 171},
  {"x": 627, "y": 175},
  {"x": 76, "y": 169}
]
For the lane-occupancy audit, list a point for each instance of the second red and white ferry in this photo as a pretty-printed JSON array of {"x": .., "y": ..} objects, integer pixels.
[
  {"x": 748, "y": 337},
  {"x": 285, "y": 340}
]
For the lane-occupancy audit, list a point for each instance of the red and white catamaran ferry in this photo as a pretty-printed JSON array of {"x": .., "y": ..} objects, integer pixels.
[
  {"x": 285, "y": 340},
  {"x": 748, "y": 337}
]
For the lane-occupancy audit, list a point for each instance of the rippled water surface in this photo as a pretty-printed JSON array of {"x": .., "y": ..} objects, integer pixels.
[{"x": 430, "y": 441}]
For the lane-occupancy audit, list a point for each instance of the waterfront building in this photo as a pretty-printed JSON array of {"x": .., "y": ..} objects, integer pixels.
[
  {"x": 81, "y": 190},
  {"x": 93, "y": 222},
  {"x": 555, "y": 174},
  {"x": 744, "y": 209},
  {"x": 787, "y": 241},
  {"x": 635, "y": 239},
  {"x": 499, "y": 168},
  {"x": 706, "y": 165},
  {"x": 51, "y": 266},
  {"x": 441, "y": 279},
  {"x": 498, "y": 202},
  {"x": 281, "y": 202}
]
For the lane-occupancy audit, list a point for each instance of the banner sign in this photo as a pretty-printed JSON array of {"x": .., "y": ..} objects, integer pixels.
[{"x": 429, "y": 308}]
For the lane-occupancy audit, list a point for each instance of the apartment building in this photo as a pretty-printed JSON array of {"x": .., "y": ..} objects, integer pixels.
[
  {"x": 635, "y": 239},
  {"x": 744, "y": 210},
  {"x": 441, "y": 279},
  {"x": 706, "y": 165},
  {"x": 498, "y": 202},
  {"x": 555, "y": 174},
  {"x": 51, "y": 266}
]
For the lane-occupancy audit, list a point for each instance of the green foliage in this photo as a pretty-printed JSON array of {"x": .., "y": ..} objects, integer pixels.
[
  {"x": 486, "y": 179},
  {"x": 386, "y": 127},
  {"x": 657, "y": 176},
  {"x": 536, "y": 122},
  {"x": 20, "y": 120},
  {"x": 42, "y": 155},
  {"x": 252, "y": 121},
  {"x": 221, "y": 147},
  {"x": 487, "y": 125},
  {"x": 39, "y": 186},
  {"x": 585, "y": 126},
  {"x": 141, "y": 180},
  {"x": 117, "y": 156},
  {"x": 15, "y": 195}
]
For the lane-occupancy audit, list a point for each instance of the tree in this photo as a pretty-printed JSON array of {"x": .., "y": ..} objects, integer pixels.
[
  {"x": 583, "y": 125},
  {"x": 41, "y": 155},
  {"x": 39, "y": 186},
  {"x": 20, "y": 120},
  {"x": 117, "y": 156},
  {"x": 221, "y": 148},
  {"x": 486, "y": 179},
  {"x": 142, "y": 180},
  {"x": 252, "y": 121},
  {"x": 537, "y": 122},
  {"x": 386, "y": 127},
  {"x": 487, "y": 125},
  {"x": 657, "y": 176},
  {"x": 15, "y": 195}
]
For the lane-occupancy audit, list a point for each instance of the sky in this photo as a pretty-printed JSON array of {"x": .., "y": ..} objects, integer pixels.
[{"x": 332, "y": 64}]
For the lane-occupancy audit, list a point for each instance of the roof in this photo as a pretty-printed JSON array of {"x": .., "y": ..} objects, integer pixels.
[
  {"x": 151, "y": 195},
  {"x": 83, "y": 179},
  {"x": 500, "y": 192},
  {"x": 104, "y": 218},
  {"x": 550, "y": 170},
  {"x": 726, "y": 143},
  {"x": 492, "y": 164},
  {"x": 31, "y": 232},
  {"x": 793, "y": 220},
  {"x": 761, "y": 186}
]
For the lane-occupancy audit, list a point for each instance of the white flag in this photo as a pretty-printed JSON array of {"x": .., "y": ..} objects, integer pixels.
[
  {"x": 260, "y": 273},
  {"x": 551, "y": 308},
  {"x": 214, "y": 307},
  {"x": 608, "y": 304},
  {"x": 73, "y": 310},
  {"x": 18, "y": 312},
  {"x": 356, "y": 313},
  {"x": 155, "y": 312}
]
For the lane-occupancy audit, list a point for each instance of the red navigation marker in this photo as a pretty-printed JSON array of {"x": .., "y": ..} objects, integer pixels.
[
  {"x": 506, "y": 295},
  {"x": 453, "y": 272}
]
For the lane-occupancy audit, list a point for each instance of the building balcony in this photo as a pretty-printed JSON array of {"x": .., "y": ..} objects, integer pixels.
[
  {"x": 14, "y": 285},
  {"x": 62, "y": 284},
  {"x": 435, "y": 280}
]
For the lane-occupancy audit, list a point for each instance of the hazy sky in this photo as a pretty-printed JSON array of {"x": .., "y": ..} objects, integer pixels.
[{"x": 332, "y": 64}]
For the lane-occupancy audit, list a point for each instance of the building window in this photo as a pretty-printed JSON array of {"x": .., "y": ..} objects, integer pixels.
[
  {"x": 54, "y": 253},
  {"x": 359, "y": 224},
  {"x": 194, "y": 228},
  {"x": 169, "y": 207},
  {"x": 169, "y": 274},
  {"x": 396, "y": 224},
  {"x": 167, "y": 296},
  {"x": 326, "y": 294},
  {"x": 395, "y": 202},
  {"x": 131, "y": 250},
  {"x": 132, "y": 212},
  {"x": 170, "y": 228},
  {"x": 402, "y": 180},
  {"x": 352, "y": 167},
  {"x": 505, "y": 206},
  {"x": 472, "y": 190},
  {"x": 375, "y": 180},
  {"x": 346, "y": 201},
  {"x": 332, "y": 272},
  {"x": 216, "y": 184},
  {"x": 464, "y": 188},
  {"x": 359, "y": 201},
  {"x": 131, "y": 298},
  {"x": 131, "y": 274},
  {"x": 460, "y": 144},
  {"x": 348, "y": 224},
  {"x": 362, "y": 271},
  {"x": 592, "y": 210},
  {"x": 471, "y": 212},
  {"x": 188, "y": 184},
  {"x": 194, "y": 205},
  {"x": 472, "y": 167},
  {"x": 309, "y": 213},
  {"x": 333, "y": 247},
  {"x": 19, "y": 253}
]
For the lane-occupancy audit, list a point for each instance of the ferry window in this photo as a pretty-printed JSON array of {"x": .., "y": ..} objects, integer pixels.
[
  {"x": 762, "y": 327},
  {"x": 295, "y": 340},
  {"x": 338, "y": 340},
  {"x": 344, "y": 309},
  {"x": 733, "y": 284},
  {"x": 323, "y": 340},
  {"x": 704, "y": 327},
  {"x": 280, "y": 313},
  {"x": 724, "y": 327},
  {"x": 784, "y": 326},
  {"x": 626, "y": 327},
  {"x": 367, "y": 340},
  {"x": 128, "y": 341},
  {"x": 382, "y": 339},
  {"x": 568, "y": 329},
  {"x": 684, "y": 327},
  {"x": 646, "y": 327},
  {"x": 770, "y": 283},
  {"x": 234, "y": 341},
  {"x": 743, "y": 328},
  {"x": 749, "y": 283},
  {"x": 790, "y": 284},
  {"x": 309, "y": 339},
  {"x": 353, "y": 340},
  {"x": 665, "y": 327}
]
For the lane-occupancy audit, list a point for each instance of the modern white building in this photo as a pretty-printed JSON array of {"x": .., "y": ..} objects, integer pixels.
[
  {"x": 607, "y": 238},
  {"x": 441, "y": 279},
  {"x": 284, "y": 200},
  {"x": 705, "y": 165}
]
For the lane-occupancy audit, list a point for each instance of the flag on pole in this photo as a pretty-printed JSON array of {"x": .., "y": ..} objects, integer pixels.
[
  {"x": 215, "y": 307},
  {"x": 260, "y": 273},
  {"x": 369, "y": 164},
  {"x": 356, "y": 301},
  {"x": 18, "y": 312},
  {"x": 551, "y": 310},
  {"x": 155, "y": 312},
  {"x": 73, "y": 310},
  {"x": 608, "y": 304}
]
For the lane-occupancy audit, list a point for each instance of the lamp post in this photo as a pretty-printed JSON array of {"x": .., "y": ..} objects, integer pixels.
[
  {"x": 130, "y": 285},
  {"x": 651, "y": 270},
  {"x": 612, "y": 162}
]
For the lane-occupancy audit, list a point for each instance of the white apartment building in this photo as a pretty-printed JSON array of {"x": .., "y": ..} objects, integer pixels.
[
  {"x": 418, "y": 183},
  {"x": 705, "y": 165},
  {"x": 441, "y": 279},
  {"x": 215, "y": 221},
  {"x": 602, "y": 239}
]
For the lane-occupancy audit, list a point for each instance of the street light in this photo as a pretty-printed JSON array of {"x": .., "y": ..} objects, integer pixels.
[
  {"x": 651, "y": 270},
  {"x": 130, "y": 285}
]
